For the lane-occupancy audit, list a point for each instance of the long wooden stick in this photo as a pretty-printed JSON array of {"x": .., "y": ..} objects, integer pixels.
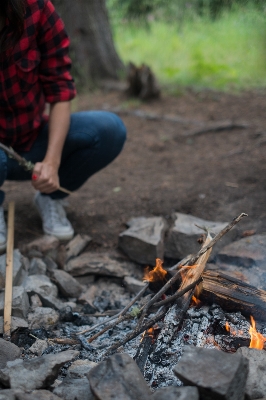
[
  {"x": 9, "y": 271},
  {"x": 27, "y": 165}
]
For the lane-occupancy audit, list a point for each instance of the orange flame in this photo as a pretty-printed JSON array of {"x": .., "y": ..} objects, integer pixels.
[
  {"x": 257, "y": 339},
  {"x": 157, "y": 274},
  {"x": 195, "y": 301},
  {"x": 227, "y": 326},
  {"x": 232, "y": 331}
]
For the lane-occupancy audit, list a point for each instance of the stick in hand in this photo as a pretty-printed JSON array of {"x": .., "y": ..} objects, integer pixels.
[{"x": 27, "y": 165}]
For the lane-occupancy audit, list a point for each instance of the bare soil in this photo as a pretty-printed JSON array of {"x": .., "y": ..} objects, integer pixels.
[{"x": 215, "y": 175}]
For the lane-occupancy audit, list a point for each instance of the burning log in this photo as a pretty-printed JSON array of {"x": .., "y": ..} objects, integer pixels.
[{"x": 233, "y": 295}]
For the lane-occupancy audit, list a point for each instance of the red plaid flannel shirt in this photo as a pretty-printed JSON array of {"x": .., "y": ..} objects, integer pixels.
[{"x": 34, "y": 72}]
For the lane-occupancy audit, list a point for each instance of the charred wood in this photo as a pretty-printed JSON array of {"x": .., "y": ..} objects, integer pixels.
[{"x": 233, "y": 295}]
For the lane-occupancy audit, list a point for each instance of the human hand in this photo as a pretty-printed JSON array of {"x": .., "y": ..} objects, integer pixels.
[{"x": 45, "y": 177}]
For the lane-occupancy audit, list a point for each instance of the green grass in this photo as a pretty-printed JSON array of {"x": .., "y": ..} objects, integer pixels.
[{"x": 227, "y": 53}]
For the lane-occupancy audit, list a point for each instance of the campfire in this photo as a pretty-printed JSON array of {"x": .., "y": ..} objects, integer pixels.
[{"x": 176, "y": 310}]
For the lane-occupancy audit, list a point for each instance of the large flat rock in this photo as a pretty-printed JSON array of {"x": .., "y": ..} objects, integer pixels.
[
  {"x": 119, "y": 378},
  {"x": 37, "y": 373},
  {"x": 256, "y": 380},
  {"x": 247, "y": 252},
  {"x": 182, "y": 238},
  {"x": 217, "y": 375},
  {"x": 143, "y": 241},
  {"x": 38, "y": 395},
  {"x": 96, "y": 264},
  {"x": 15, "y": 324}
]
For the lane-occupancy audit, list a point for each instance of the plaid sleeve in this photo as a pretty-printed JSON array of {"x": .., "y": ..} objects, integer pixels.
[{"x": 53, "y": 42}]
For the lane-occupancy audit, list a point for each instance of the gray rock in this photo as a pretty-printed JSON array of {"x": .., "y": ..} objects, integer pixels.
[
  {"x": 182, "y": 238},
  {"x": 88, "y": 297},
  {"x": 76, "y": 246},
  {"x": 8, "y": 394},
  {"x": 8, "y": 352},
  {"x": 133, "y": 285},
  {"x": 50, "y": 263},
  {"x": 176, "y": 393},
  {"x": 217, "y": 375},
  {"x": 256, "y": 381},
  {"x": 46, "y": 245},
  {"x": 35, "y": 301},
  {"x": 43, "y": 317},
  {"x": 80, "y": 368},
  {"x": 20, "y": 302},
  {"x": 38, "y": 394},
  {"x": 78, "y": 389},
  {"x": 118, "y": 377},
  {"x": 37, "y": 267},
  {"x": 44, "y": 288},
  {"x": 37, "y": 373},
  {"x": 95, "y": 264},
  {"x": 38, "y": 347},
  {"x": 67, "y": 285},
  {"x": 15, "y": 324},
  {"x": 245, "y": 252},
  {"x": 17, "y": 269},
  {"x": 144, "y": 240}
]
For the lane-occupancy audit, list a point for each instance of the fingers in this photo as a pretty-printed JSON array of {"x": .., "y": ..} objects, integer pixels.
[{"x": 45, "y": 178}]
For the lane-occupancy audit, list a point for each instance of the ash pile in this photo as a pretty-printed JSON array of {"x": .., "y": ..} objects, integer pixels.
[{"x": 85, "y": 325}]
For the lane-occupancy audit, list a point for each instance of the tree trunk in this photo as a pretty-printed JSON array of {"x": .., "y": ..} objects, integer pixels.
[{"x": 92, "y": 47}]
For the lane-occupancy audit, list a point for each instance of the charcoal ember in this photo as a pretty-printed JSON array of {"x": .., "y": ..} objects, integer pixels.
[
  {"x": 36, "y": 373},
  {"x": 230, "y": 344},
  {"x": 102, "y": 302},
  {"x": 67, "y": 315},
  {"x": 118, "y": 377},
  {"x": 256, "y": 380},
  {"x": 175, "y": 393},
  {"x": 88, "y": 309},
  {"x": 216, "y": 374}
]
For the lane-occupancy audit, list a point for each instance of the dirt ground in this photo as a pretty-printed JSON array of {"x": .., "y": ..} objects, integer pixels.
[{"x": 215, "y": 175}]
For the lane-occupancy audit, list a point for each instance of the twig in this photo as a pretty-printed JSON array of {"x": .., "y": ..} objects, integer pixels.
[
  {"x": 27, "y": 165},
  {"x": 177, "y": 295},
  {"x": 160, "y": 314},
  {"x": 119, "y": 314},
  {"x": 217, "y": 127},
  {"x": 107, "y": 328}
]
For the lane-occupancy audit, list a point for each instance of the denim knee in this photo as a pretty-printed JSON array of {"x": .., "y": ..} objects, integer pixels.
[{"x": 121, "y": 131}]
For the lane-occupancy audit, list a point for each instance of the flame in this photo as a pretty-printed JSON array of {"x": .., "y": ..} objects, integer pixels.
[
  {"x": 232, "y": 331},
  {"x": 227, "y": 326},
  {"x": 257, "y": 339},
  {"x": 195, "y": 301},
  {"x": 157, "y": 274}
]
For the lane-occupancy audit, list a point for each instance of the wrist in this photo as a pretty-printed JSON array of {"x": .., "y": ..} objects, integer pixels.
[{"x": 54, "y": 163}]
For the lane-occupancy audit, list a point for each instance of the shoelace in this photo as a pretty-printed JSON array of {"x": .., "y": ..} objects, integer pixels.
[{"x": 56, "y": 212}]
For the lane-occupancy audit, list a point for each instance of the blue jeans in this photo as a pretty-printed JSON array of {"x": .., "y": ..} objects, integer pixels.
[{"x": 95, "y": 139}]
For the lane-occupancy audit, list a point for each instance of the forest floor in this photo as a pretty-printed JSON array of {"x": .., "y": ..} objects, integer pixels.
[{"x": 215, "y": 176}]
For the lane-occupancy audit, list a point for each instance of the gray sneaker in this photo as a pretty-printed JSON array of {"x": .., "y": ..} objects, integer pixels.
[
  {"x": 54, "y": 220},
  {"x": 2, "y": 231}
]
